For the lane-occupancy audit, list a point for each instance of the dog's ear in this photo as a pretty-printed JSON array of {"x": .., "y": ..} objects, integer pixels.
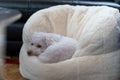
[{"x": 49, "y": 40}]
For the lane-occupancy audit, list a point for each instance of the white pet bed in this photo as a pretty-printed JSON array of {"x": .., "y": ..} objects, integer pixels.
[{"x": 98, "y": 53}]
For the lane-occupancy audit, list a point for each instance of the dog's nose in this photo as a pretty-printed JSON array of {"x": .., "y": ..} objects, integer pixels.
[{"x": 29, "y": 53}]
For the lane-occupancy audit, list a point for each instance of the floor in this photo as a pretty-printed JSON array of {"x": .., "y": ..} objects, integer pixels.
[{"x": 11, "y": 70}]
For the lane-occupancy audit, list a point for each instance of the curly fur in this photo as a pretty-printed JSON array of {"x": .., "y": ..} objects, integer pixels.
[{"x": 51, "y": 47}]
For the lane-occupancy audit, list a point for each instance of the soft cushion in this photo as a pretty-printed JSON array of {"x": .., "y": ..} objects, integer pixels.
[{"x": 97, "y": 56}]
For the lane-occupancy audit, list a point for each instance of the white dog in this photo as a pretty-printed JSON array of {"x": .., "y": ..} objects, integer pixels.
[{"x": 51, "y": 48}]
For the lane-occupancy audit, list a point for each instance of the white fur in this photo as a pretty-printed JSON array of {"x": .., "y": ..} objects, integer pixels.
[{"x": 54, "y": 48}]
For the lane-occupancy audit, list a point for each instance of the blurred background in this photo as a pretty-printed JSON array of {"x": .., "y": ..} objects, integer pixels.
[{"x": 7, "y": 16}]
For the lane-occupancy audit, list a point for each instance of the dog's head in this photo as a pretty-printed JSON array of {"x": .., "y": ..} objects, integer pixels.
[{"x": 37, "y": 44}]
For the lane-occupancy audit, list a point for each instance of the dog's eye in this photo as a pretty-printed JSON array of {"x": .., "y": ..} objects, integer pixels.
[
  {"x": 39, "y": 46},
  {"x": 32, "y": 44}
]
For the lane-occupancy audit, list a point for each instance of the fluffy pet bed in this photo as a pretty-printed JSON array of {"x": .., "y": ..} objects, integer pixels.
[{"x": 98, "y": 52}]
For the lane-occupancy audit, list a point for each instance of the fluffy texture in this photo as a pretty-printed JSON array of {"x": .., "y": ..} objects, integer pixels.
[
  {"x": 97, "y": 56},
  {"x": 51, "y": 48}
]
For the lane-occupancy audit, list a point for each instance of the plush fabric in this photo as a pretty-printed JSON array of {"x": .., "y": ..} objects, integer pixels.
[{"x": 98, "y": 51}]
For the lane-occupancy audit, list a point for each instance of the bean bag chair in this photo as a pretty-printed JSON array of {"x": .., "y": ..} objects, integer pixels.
[{"x": 97, "y": 56}]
